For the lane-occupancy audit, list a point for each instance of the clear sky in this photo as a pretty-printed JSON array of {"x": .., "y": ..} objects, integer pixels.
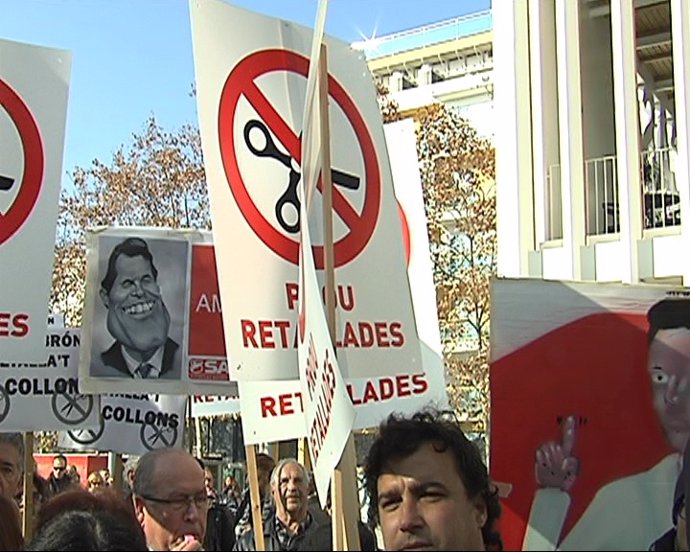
[{"x": 133, "y": 58}]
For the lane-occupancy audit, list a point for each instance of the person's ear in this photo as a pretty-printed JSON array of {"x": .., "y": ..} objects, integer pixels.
[
  {"x": 139, "y": 506},
  {"x": 481, "y": 514},
  {"x": 104, "y": 297}
]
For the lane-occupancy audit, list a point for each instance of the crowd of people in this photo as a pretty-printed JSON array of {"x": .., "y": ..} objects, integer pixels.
[{"x": 426, "y": 486}]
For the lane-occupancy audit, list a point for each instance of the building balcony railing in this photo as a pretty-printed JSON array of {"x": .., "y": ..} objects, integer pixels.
[
  {"x": 659, "y": 194},
  {"x": 661, "y": 200}
]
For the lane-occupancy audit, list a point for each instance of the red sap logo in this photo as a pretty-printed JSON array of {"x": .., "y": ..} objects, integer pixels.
[
  {"x": 14, "y": 325},
  {"x": 214, "y": 369}
]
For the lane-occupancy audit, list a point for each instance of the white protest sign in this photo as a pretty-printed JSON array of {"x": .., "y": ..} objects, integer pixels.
[
  {"x": 34, "y": 83},
  {"x": 46, "y": 396},
  {"x": 152, "y": 315},
  {"x": 132, "y": 424},
  {"x": 273, "y": 411},
  {"x": 214, "y": 405},
  {"x": 251, "y": 73},
  {"x": 329, "y": 414}
]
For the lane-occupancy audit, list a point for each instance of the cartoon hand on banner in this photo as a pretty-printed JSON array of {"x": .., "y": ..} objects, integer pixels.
[{"x": 555, "y": 465}]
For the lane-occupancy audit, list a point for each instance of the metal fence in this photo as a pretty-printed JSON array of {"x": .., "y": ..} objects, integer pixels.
[{"x": 660, "y": 201}]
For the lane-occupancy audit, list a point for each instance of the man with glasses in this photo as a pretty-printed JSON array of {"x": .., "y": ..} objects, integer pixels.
[
  {"x": 11, "y": 464},
  {"x": 59, "y": 480},
  {"x": 170, "y": 499}
]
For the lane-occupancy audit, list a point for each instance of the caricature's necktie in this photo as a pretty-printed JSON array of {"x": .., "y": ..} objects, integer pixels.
[{"x": 144, "y": 369}]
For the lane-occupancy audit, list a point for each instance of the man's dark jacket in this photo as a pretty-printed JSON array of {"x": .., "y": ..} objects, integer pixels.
[{"x": 271, "y": 541}]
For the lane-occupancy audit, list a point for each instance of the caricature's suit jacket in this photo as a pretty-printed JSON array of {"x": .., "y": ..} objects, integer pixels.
[{"x": 113, "y": 358}]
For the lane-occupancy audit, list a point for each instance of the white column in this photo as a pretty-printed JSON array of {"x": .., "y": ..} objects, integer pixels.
[
  {"x": 627, "y": 135},
  {"x": 570, "y": 130},
  {"x": 680, "y": 34},
  {"x": 542, "y": 44},
  {"x": 514, "y": 206}
]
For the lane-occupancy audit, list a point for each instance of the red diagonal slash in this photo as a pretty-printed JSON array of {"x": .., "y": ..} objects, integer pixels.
[{"x": 292, "y": 143}]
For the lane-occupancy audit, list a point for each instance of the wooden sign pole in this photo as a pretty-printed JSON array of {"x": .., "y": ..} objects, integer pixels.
[
  {"x": 116, "y": 468},
  {"x": 345, "y": 503},
  {"x": 253, "y": 478},
  {"x": 28, "y": 510}
]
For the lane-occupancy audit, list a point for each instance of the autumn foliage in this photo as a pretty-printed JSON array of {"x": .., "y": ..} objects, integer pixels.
[{"x": 157, "y": 180}]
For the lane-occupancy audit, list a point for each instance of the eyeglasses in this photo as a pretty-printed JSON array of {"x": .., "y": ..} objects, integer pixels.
[
  {"x": 58, "y": 468},
  {"x": 181, "y": 504}
]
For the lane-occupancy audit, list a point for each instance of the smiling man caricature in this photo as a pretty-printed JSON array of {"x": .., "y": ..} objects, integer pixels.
[{"x": 137, "y": 316}]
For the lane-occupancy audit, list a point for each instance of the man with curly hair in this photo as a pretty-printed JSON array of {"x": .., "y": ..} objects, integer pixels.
[{"x": 428, "y": 486}]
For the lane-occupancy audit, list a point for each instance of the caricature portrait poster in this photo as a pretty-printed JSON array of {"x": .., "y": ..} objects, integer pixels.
[
  {"x": 589, "y": 411},
  {"x": 141, "y": 331}
]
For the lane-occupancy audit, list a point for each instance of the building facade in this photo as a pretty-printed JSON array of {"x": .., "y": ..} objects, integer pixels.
[
  {"x": 448, "y": 62},
  {"x": 593, "y": 181}
]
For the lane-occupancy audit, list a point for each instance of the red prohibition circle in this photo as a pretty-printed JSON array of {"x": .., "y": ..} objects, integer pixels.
[
  {"x": 241, "y": 81},
  {"x": 32, "y": 179}
]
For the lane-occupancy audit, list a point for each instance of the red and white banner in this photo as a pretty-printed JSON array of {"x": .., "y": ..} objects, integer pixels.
[
  {"x": 274, "y": 411},
  {"x": 34, "y": 86},
  {"x": 251, "y": 73},
  {"x": 590, "y": 395}
]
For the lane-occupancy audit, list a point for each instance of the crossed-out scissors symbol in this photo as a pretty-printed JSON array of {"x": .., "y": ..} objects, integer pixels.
[
  {"x": 289, "y": 196},
  {"x": 6, "y": 182}
]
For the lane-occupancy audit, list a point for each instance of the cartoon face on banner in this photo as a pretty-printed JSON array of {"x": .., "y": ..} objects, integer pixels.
[
  {"x": 153, "y": 319},
  {"x": 137, "y": 293},
  {"x": 590, "y": 394}
]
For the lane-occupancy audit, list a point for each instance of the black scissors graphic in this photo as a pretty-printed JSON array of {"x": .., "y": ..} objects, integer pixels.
[
  {"x": 345, "y": 180},
  {"x": 6, "y": 182}
]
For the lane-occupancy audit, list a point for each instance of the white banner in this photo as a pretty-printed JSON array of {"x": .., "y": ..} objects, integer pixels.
[
  {"x": 251, "y": 73},
  {"x": 329, "y": 414},
  {"x": 46, "y": 396},
  {"x": 131, "y": 424},
  {"x": 34, "y": 83},
  {"x": 273, "y": 411},
  {"x": 214, "y": 405}
]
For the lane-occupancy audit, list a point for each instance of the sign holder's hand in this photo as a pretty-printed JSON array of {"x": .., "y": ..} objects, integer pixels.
[{"x": 555, "y": 465}]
